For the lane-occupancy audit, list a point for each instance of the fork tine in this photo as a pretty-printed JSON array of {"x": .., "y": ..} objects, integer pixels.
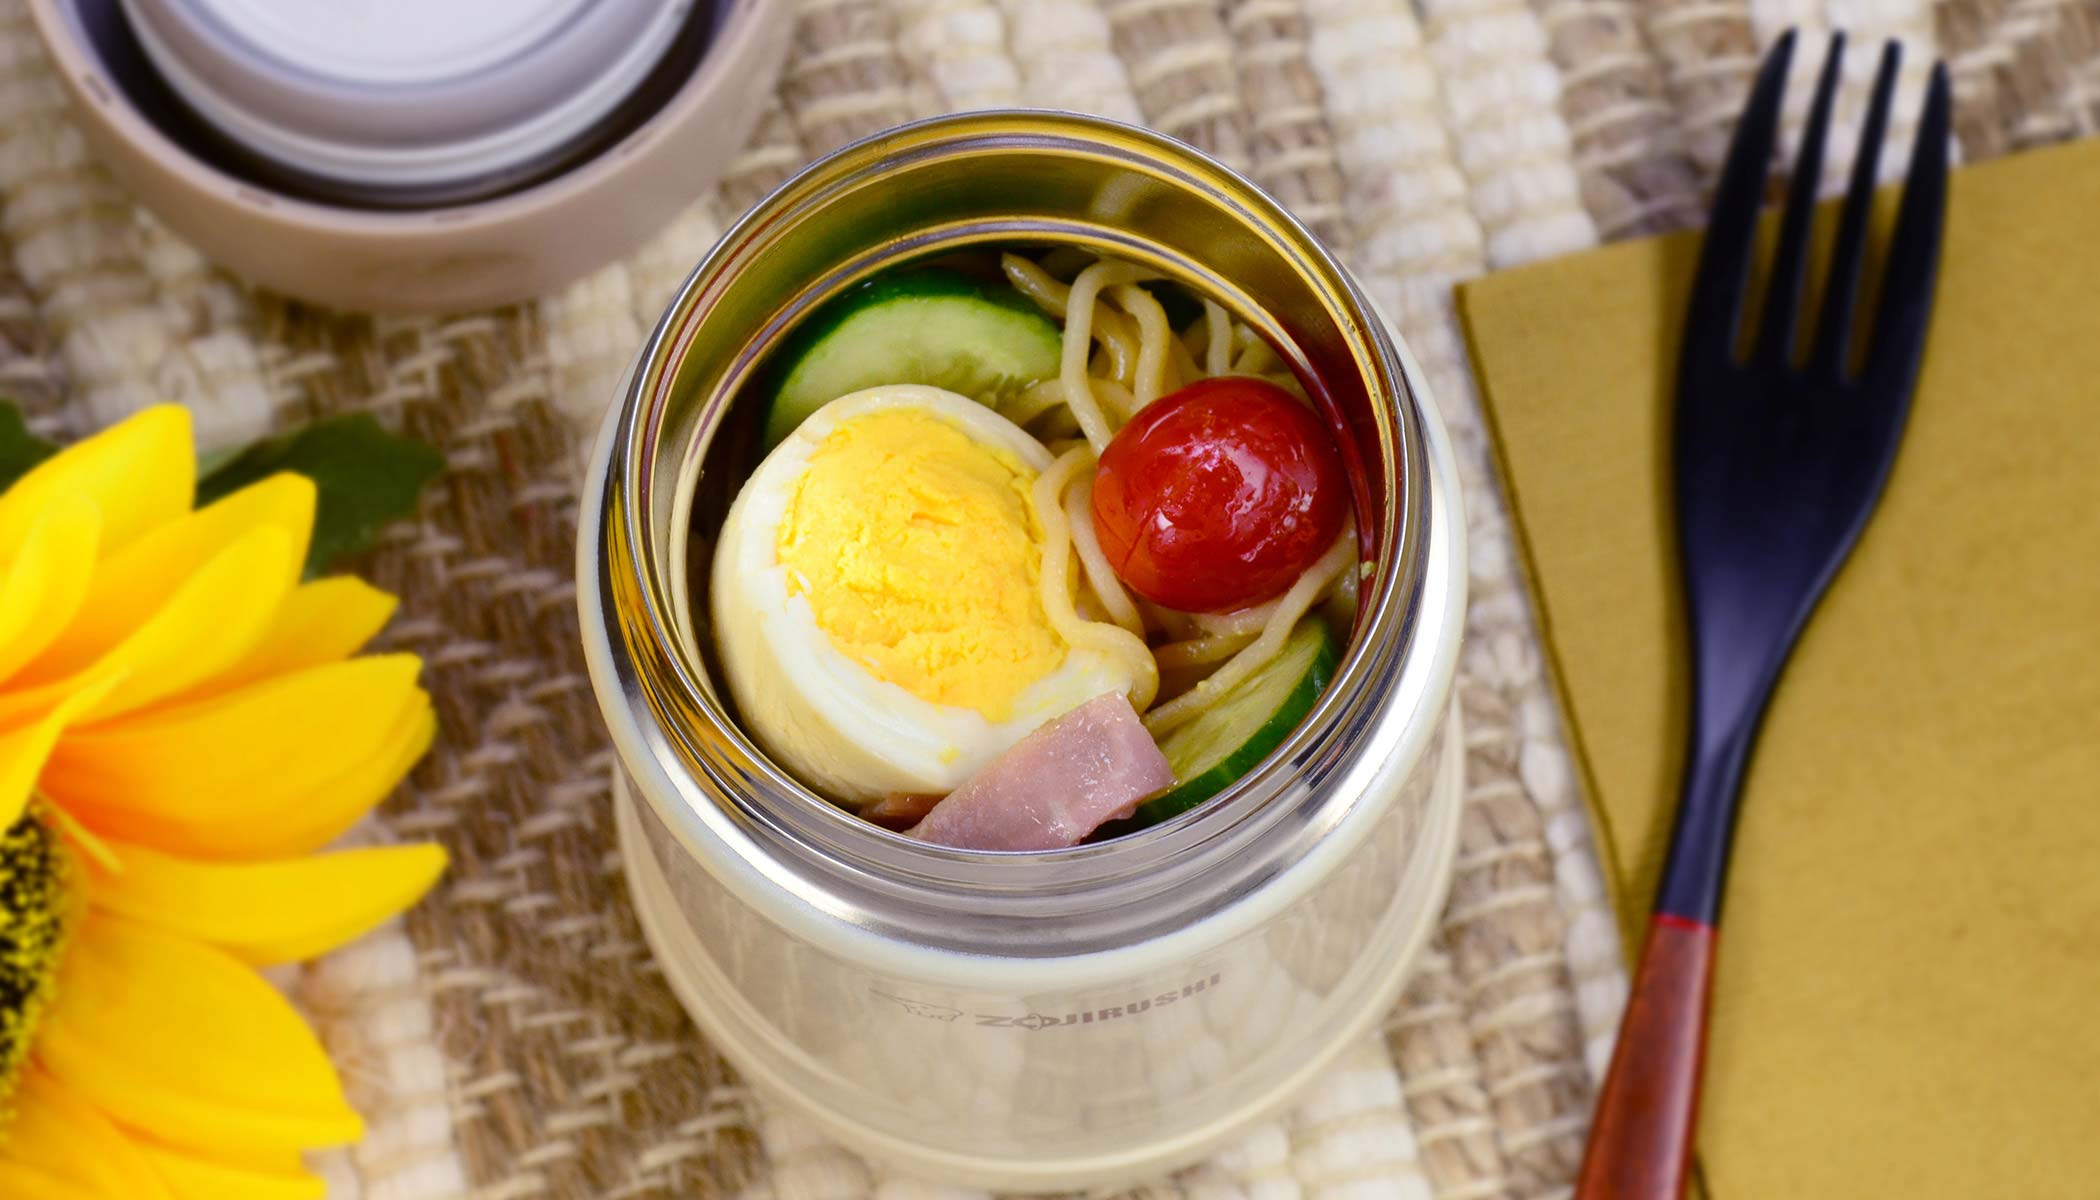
[
  {"x": 1841, "y": 295},
  {"x": 1715, "y": 313},
  {"x": 1775, "y": 336},
  {"x": 1914, "y": 249}
]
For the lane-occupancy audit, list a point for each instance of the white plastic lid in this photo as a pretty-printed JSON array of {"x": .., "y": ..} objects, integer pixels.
[{"x": 404, "y": 93}]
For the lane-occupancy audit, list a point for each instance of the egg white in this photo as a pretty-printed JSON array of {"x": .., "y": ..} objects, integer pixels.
[{"x": 816, "y": 711}]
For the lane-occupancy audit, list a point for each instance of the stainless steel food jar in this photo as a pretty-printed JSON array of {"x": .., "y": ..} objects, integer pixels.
[{"x": 1044, "y": 1019}]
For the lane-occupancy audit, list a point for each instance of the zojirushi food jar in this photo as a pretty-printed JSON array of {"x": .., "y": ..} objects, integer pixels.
[{"x": 1055, "y": 1017}]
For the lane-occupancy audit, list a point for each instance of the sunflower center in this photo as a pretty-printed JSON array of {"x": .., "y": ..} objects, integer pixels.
[{"x": 34, "y": 878}]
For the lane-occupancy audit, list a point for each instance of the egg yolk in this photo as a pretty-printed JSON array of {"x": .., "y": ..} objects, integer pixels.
[{"x": 920, "y": 559}]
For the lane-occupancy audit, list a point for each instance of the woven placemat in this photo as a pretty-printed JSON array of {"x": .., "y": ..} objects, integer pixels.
[{"x": 510, "y": 1039}]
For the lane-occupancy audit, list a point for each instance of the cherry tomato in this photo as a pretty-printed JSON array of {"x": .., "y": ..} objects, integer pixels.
[{"x": 1219, "y": 495}]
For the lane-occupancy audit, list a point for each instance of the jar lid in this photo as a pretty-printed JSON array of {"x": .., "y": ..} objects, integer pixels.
[{"x": 404, "y": 93}]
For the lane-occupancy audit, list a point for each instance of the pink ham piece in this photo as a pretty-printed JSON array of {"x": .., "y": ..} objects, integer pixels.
[{"x": 1055, "y": 786}]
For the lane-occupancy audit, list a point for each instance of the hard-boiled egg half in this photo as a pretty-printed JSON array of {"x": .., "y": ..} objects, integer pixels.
[{"x": 876, "y": 596}]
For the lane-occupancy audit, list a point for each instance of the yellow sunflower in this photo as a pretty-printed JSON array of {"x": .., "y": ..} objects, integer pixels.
[{"x": 182, "y": 726}]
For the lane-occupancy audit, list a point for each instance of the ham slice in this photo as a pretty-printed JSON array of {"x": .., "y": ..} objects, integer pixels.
[{"x": 1055, "y": 786}]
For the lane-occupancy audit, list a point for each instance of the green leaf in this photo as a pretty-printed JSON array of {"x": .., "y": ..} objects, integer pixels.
[
  {"x": 209, "y": 461},
  {"x": 366, "y": 478},
  {"x": 19, "y": 449}
]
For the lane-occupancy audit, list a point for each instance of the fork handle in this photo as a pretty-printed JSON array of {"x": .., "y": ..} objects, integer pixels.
[{"x": 1640, "y": 1147}]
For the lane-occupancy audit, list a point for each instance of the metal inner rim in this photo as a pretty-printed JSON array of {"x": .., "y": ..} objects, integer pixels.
[{"x": 731, "y": 793}]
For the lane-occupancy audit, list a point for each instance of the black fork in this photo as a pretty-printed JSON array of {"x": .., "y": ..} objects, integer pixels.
[{"x": 1779, "y": 461}]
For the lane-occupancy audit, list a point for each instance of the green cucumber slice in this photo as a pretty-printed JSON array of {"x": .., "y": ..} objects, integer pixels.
[
  {"x": 927, "y": 326},
  {"x": 1211, "y": 752}
]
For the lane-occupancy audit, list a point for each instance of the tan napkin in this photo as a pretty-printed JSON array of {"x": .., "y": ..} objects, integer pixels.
[{"x": 1908, "y": 1001}]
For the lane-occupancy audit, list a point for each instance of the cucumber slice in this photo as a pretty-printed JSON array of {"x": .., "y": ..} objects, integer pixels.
[
  {"x": 926, "y": 326},
  {"x": 1211, "y": 752}
]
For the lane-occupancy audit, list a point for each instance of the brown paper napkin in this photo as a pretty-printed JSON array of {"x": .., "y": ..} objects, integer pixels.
[{"x": 1908, "y": 1002}]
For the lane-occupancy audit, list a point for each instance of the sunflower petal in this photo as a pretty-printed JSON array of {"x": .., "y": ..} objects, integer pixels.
[
  {"x": 58, "y": 1133},
  {"x": 187, "y": 1045},
  {"x": 192, "y": 1178},
  {"x": 90, "y": 845},
  {"x": 136, "y": 580},
  {"x": 249, "y": 755},
  {"x": 324, "y": 815},
  {"x": 141, "y": 473},
  {"x": 320, "y": 622},
  {"x": 25, "y": 751},
  {"x": 28, "y": 1183},
  {"x": 269, "y": 912},
  {"x": 209, "y": 622},
  {"x": 44, "y": 585}
]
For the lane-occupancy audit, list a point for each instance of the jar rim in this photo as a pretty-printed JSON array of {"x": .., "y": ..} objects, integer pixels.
[{"x": 733, "y": 801}]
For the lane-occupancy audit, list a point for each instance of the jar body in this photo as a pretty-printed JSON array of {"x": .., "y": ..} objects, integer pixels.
[{"x": 1007, "y": 1086}]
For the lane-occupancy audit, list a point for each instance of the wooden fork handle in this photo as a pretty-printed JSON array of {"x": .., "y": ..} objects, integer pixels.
[{"x": 1640, "y": 1147}]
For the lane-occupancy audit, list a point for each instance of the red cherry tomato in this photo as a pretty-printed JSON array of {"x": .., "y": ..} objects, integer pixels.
[{"x": 1219, "y": 495}]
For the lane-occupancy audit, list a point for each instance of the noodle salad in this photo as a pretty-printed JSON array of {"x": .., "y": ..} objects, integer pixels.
[{"x": 1043, "y": 549}]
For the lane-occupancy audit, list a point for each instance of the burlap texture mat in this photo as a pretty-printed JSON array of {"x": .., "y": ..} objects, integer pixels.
[{"x": 511, "y": 1040}]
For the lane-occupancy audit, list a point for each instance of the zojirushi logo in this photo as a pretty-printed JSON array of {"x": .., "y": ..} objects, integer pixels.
[{"x": 1036, "y": 1020}]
